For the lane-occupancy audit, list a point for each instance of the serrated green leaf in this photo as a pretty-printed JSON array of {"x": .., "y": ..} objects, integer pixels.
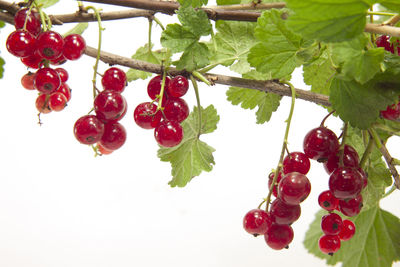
[
  {"x": 177, "y": 38},
  {"x": 191, "y": 156},
  {"x": 360, "y": 104},
  {"x": 193, "y": 3},
  {"x": 44, "y": 3},
  {"x": 278, "y": 47},
  {"x": 231, "y": 44},
  {"x": 329, "y": 21},
  {"x": 375, "y": 244},
  {"x": 356, "y": 62},
  {"x": 319, "y": 74},
  {"x": 392, "y": 63},
  {"x": 2, "y": 62},
  {"x": 78, "y": 29},
  {"x": 196, "y": 21},
  {"x": 196, "y": 56}
]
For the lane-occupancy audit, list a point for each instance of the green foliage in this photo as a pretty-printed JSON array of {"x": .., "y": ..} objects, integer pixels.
[
  {"x": 191, "y": 156},
  {"x": 376, "y": 242},
  {"x": 391, "y": 4},
  {"x": 227, "y": 2},
  {"x": 192, "y": 3},
  {"x": 2, "y": 62},
  {"x": 329, "y": 21},
  {"x": 78, "y": 29},
  {"x": 45, "y": 3}
]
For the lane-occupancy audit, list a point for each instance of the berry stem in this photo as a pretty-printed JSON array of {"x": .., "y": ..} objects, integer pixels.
[
  {"x": 341, "y": 148},
  {"x": 42, "y": 18},
  {"x": 162, "y": 90},
  {"x": 27, "y": 15},
  {"x": 284, "y": 145},
  {"x": 326, "y": 117},
  {"x": 196, "y": 91},
  {"x": 149, "y": 34},
  {"x": 159, "y": 23},
  {"x": 200, "y": 76}
]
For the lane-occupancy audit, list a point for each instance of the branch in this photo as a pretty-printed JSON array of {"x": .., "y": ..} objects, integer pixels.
[
  {"x": 390, "y": 163},
  {"x": 266, "y": 86}
]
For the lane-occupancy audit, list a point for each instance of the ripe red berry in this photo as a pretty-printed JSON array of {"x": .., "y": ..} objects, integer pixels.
[
  {"x": 392, "y": 112},
  {"x": 168, "y": 133},
  {"x": 294, "y": 188},
  {"x": 345, "y": 183},
  {"x": 296, "y": 162},
  {"x": 50, "y": 45},
  {"x": 176, "y": 109},
  {"x": 114, "y": 79},
  {"x": 270, "y": 180},
  {"x": 42, "y": 104},
  {"x": 348, "y": 230},
  {"x": 27, "y": 81},
  {"x": 58, "y": 61},
  {"x": 33, "y": 61},
  {"x": 109, "y": 106},
  {"x": 114, "y": 136},
  {"x": 257, "y": 222},
  {"x": 283, "y": 213},
  {"x": 329, "y": 244},
  {"x": 74, "y": 46},
  {"x": 178, "y": 86},
  {"x": 279, "y": 236},
  {"x": 331, "y": 224},
  {"x": 351, "y": 207},
  {"x": 350, "y": 159},
  {"x": 57, "y": 101},
  {"x": 383, "y": 41},
  {"x": 63, "y": 73},
  {"x": 47, "y": 80},
  {"x": 65, "y": 90},
  {"x": 21, "y": 43},
  {"x": 154, "y": 87},
  {"x": 147, "y": 116},
  {"x": 32, "y": 18},
  {"x": 88, "y": 129},
  {"x": 102, "y": 150},
  {"x": 320, "y": 143},
  {"x": 328, "y": 201}
]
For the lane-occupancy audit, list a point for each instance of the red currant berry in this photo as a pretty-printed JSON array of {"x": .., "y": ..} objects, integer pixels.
[
  {"x": 392, "y": 112},
  {"x": 296, "y": 162},
  {"x": 74, "y": 46},
  {"x": 42, "y": 104},
  {"x": 63, "y": 74},
  {"x": 271, "y": 179},
  {"x": 283, "y": 213},
  {"x": 257, "y": 222},
  {"x": 88, "y": 129},
  {"x": 279, "y": 236},
  {"x": 168, "y": 133},
  {"x": 57, "y": 101},
  {"x": 294, "y": 188},
  {"x": 331, "y": 224},
  {"x": 383, "y": 41},
  {"x": 348, "y": 230},
  {"x": 350, "y": 159},
  {"x": 114, "y": 79},
  {"x": 109, "y": 106},
  {"x": 329, "y": 244},
  {"x": 32, "y": 18},
  {"x": 65, "y": 90},
  {"x": 351, "y": 207},
  {"x": 21, "y": 43},
  {"x": 33, "y": 61},
  {"x": 58, "y": 61},
  {"x": 320, "y": 143},
  {"x": 147, "y": 116},
  {"x": 47, "y": 80},
  {"x": 345, "y": 183},
  {"x": 102, "y": 150},
  {"x": 176, "y": 109},
  {"x": 178, "y": 86},
  {"x": 50, "y": 45},
  {"x": 27, "y": 81},
  {"x": 114, "y": 136},
  {"x": 154, "y": 87},
  {"x": 328, "y": 201},
  {"x": 364, "y": 177}
]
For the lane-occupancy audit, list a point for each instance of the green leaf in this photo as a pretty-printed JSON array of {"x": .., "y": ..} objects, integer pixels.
[
  {"x": 360, "y": 104},
  {"x": 177, "y": 38},
  {"x": 78, "y": 29},
  {"x": 356, "y": 62},
  {"x": 45, "y": 3},
  {"x": 2, "y": 24},
  {"x": 193, "y": 3},
  {"x": 196, "y": 21},
  {"x": 191, "y": 156},
  {"x": 2, "y": 62},
  {"x": 278, "y": 47},
  {"x": 392, "y": 63},
  {"x": 231, "y": 44},
  {"x": 196, "y": 56},
  {"x": 227, "y": 2},
  {"x": 375, "y": 244},
  {"x": 391, "y": 5},
  {"x": 328, "y": 20}
]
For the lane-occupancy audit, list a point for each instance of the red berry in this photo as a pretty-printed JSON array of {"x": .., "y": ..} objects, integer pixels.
[
  {"x": 168, "y": 133},
  {"x": 102, "y": 150},
  {"x": 329, "y": 244},
  {"x": 27, "y": 81},
  {"x": 33, "y": 61},
  {"x": 328, "y": 201},
  {"x": 65, "y": 90},
  {"x": 21, "y": 43},
  {"x": 383, "y": 41},
  {"x": 33, "y": 23},
  {"x": 57, "y": 101},
  {"x": 109, "y": 106},
  {"x": 331, "y": 224},
  {"x": 345, "y": 183},
  {"x": 114, "y": 79},
  {"x": 47, "y": 80},
  {"x": 296, "y": 162},
  {"x": 50, "y": 45},
  {"x": 320, "y": 143},
  {"x": 176, "y": 109},
  {"x": 283, "y": 213},
  {"x": 351, "y": 207},
  {"x": 63, "y": 74},
  {"x": 154, "y": 87},
  {"x": 114, "y": 136},
  {"x": 294, "y": 188},
  {"x": 348, "y": 230},
  {"x": 350, "y": 159},
  {"x": 147, "y": 116},
  {"x": 74, "y": 46},
  {"x": 279, "y": 236},
  {"x": 58, "y": 61},
  {"x": 271, "y": 179},
  {"x": 42, "y": 104},
  {"x": 392, "y": 112},
  {"x": 178, "y": 86},
  {"x": 257, "y": 222},
  {"x": 88, "y": 129}
]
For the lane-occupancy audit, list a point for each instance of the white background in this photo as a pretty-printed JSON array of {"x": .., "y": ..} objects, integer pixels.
[{"x": 60, "y": 206}]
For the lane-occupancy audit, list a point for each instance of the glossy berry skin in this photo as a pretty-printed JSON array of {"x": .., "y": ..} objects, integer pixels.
[
  {"x": 351, "y": 207},
  {"x": 147, "y": 116},
  {"x": 328, "y": 201},
  {"x": 58, "y": 61},
  {"x": 329, "y": 244},
  {"x": 65, "y": 90},
  {"x": 47, "y": 80},
  {"x": 102, "y": 150},
  {"x": 63, "y": 73},
  {"x": 294, "y": 188},
  {"x": 364, "y": 176},
  {"x": 392, "y": 112},
  {"x": 154, "y": 87},
  {"x": 350, "y": 159},
  {"x": 27, "y": 81},
  {"x": 283, "y": 213},
  {"x": 114, "y": 79},
  {"x": 348, "y": 230},
  {"x": 109, "y": 106},
  {"x": 74, "y": 46},
  {"x": 50, "y": 45},
  {"x": 178, "y": 86},
  {"x": 88, "y": 129},
  {"x": 345, "y": 183},
  {"x": 114, "y": 136},
  {"x": 331, "y": 224},
  {"x": 33, "y": 61},
  {"x": 271, "y": 179},
  {"x": 57, "y": 101},
  {"x": 296, "y": 162},
  {"x": 33, "y": 23},
  {"x": 42, "y": 104},
  {"x": 257, "y": 222},
  {"x": 176, "y": 109},
  {"x": 279, "y": 236},
  {"x": 320, "y": 143},
  {"x": 168, "y": 133},
  {"x": 21, "y": 43}
]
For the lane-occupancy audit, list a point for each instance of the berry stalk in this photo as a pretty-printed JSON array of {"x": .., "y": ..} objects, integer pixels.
[{"x": 196, "y": 91}]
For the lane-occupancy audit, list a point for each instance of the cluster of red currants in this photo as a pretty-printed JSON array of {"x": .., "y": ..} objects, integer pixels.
[
  {"x": 38, "y": 49},
  {"x": 166, "y": 121},
  {"x": 290, "y": 189},
  {"x": 110, "y": 107},
  {"x": 346, "y": 182}
]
